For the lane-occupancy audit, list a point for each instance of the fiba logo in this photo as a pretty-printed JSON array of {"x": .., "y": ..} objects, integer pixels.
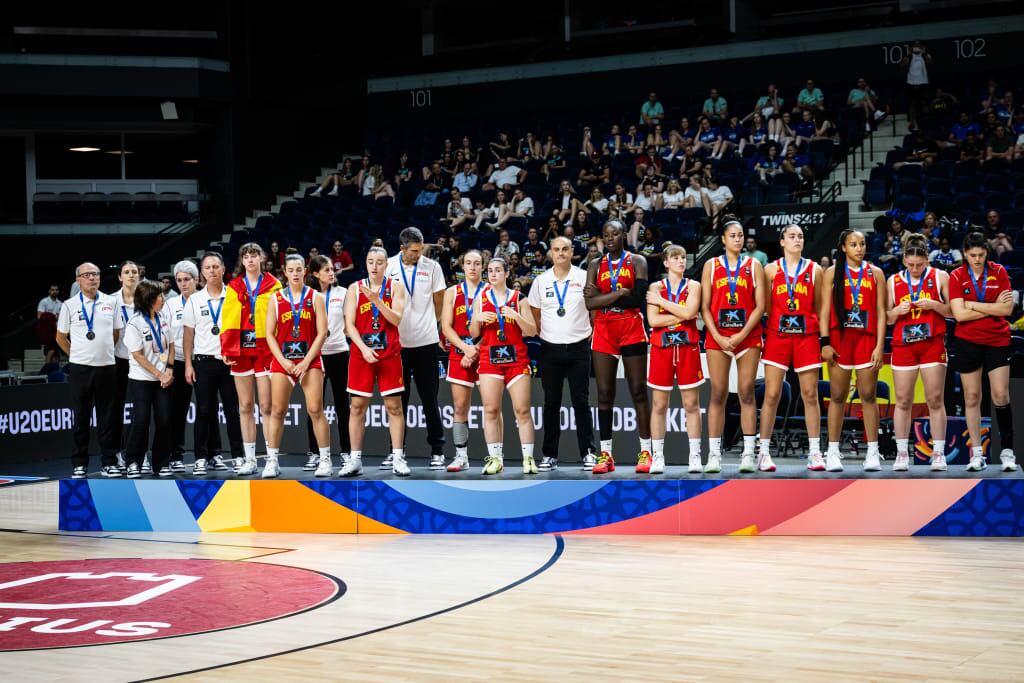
[{"x": 92, "y": 602}]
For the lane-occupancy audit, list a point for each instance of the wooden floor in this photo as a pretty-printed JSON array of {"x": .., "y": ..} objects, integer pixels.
[{"x": 575, "y": 608}]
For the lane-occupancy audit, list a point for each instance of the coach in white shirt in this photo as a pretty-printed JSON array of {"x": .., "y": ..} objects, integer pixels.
[
  {"x": 85, "y": 331},
  {"x": 206, "y": 371},
  {"x": 556, "y": 298},
  {"x": 423, "y": 281}
]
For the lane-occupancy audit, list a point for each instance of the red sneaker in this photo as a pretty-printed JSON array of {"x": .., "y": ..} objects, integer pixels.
[
  {"x": 643, "y": 463},
  {"x": 605, "y": 463}
]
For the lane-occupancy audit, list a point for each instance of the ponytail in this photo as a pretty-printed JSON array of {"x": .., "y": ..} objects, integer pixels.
[
  {"x": 839, "y": 276},
  {"x": 915, "y": 244}
]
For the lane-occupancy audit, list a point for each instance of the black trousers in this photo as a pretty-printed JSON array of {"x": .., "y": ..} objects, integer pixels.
[
  {"x": 93, "y": 387},
  {"x": 335, "y": 372},
  {"x": 213, "y": 378},
  {"x": 150, "y": 402},
  {"x": 558, "y": 363},
  {"x": 118, "y": 400},
  {"x": 420, "y": 364},
  {"x": 181, "y": 396}
]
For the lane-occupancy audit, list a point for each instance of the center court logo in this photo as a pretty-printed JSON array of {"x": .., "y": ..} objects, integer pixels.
[{"x": 93, "y": 602}]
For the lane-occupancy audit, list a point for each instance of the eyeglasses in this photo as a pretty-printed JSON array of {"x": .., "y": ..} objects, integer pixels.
[{"x": 90, "y": 274}]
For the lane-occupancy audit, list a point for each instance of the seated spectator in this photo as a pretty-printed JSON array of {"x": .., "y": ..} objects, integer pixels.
[
  {"x": 597, "y": 203},
  {"x": 470, "y": 154},
  {"x": 403, "y": 174},
  {"x": 496, "y": 211},
  {"x": 554, "y": 160},
  {"x": 734, "y": 137},
  {"x": 758, "y": 134},
  {"x": 344, "y": 178},
  {"x": 750, "y": 249},
  {"x": 528, "y": 148},
  {"x": 648, "y": 158},
  {"x": 646, "y": 200},
  {"x": 634, "y": 140},
  {"x": 466, "y": 179},
  {"x": 797, "y": 163},
  {"x": 690, "y": 164},
  {"x": 657, "y": 138},
  {"x": 567, "y": 202},
  {"x": 991, "y": 121},
  {"x": 374, "y": 185},
  {"x": 620, "y": 201},
  {"x": 864, "y": 97},
  {"x": 653, "y": 178},
  {"x": 809, "y": 99},
  {"x": 784, "y": 134},
  {"x": 1005, "y": 111},
  {"x": 687, "y": 133},
  {"x": 768, "y": 164},
  {"x": 521, "y": 206},
  {"x": 825, "y": 262},
  {"x": 959, "y": 130},
  {"x": 805, "y": 129},
  {"x": 673, "y": 196},
  {"x": 998, "y": 151},
  {"x": 579, "y": 248},
  {"x": 553, "y": 229},
  {"x": 593, "y": 253},
  {"x": 972, "y": 150},
  {"x": 442, "y": 253},
  {"x": 1018, "y": 132},
  {"x": 651, "y": 112},
  {"x": 505, "y": 177},
  {"x": 276, "y": 256},
  {"x": 923, "y": 152},
  {"x": 587, "y": 148},
  {"x": 993, "y": 97},
  {"x": 518, "y": 271},
  {"x": 637, "y": 229},
  {"x": 998, "y": 240},
  {"x": 502, "y": 148},
  {"x": 931, "y": 229},
  {"x": 945, "y": 257},
  {"x": 891, "y": 258},
  {"x": 538, "y": 264},
  {"x": 707, "y": 137},
  {"x": 363, "y": 170},
  {"x": 532, "y": 246},
  {"x": 716, "y": 108},
  {"x": 614, "y": 144},
  {"x": 720, "y": 195},
  {"x": 460, "y": 211},
  {"x": 595, "y": 171},
  {"x": 650, "y": 248},
  {"x": 674, "y": 148},
  {"x": 580, "y": 229},
  {"x": 696, "y": 196},
  {"x": 341, "y": 259},
  {"x": 505, "y": 247}
]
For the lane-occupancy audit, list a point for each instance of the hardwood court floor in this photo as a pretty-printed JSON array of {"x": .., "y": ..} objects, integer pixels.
[{"x": 575, "y": 608}]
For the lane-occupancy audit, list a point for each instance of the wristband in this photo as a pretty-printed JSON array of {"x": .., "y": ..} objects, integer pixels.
[{"x": 825, "y": 341}]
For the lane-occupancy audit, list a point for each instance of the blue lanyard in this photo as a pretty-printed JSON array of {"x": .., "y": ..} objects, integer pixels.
[
  {"x": 679, "y": 291},
  {"x": 560, "y": 296},
  {"x": 327, "y": 303},
  {"x": 124, "y": 310},
  {"x": 915, "y": 294},
  {"x": 87, "y": 318},
  {"x": 855, "y": 291},
  {"x": 469, "y": 301},
  {"x": 732, "y": 278},
  {"x": 614, "y": 276},
  {"x": 497, "y": 309},
  {"x": 401, "y": 269},
  {"x": 156, "y": 334},
  {"x": 296, "y": 310},
  {"x": 373, "y": 307},
  {"x": 252, "y": 296},
  {"x": 984, "y": 283},
  {"x": 214, "y": 315},
  {"x": 791, "y": 286}
]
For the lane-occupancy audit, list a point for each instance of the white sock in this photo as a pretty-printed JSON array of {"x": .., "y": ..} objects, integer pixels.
[
  {"x": 833, "y": 448},
  {"x": 715, "y": 445},
  {"x": 398, "y": 453},
  {"x": 814, "y": 444},
  {"x": 462, "y": 451},
  {"x": 356, "y": 455},
  {"x": 316, "y": 192},
  {"x": 977, "y": 451},
  {"x": 527, "y": 450},
  {"x": 325, "y": 452},
  {"x": 765, "y": 446},
  {"x": 250, "y": 450},
  {"x": 749, "y": 443},
  {"x": 272, "y": 452},
  {"x": 659, "y": 447},
  {"x": 606, "y": 446},
  {"x": 873, "y": 448},
  {"x": 645, "y": 445},
  {"x": 694, "y": 446},
  {"x": 494, "y": 449},
  {"x": 901, "y": 445},
  {"x": 939, "y": 448}
]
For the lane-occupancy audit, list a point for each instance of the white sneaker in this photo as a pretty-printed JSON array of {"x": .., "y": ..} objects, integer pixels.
[
  {"x": 977, "y": 463},
  {"x": 939, "y": 463},
  {"x": 324, "y": 467},
  {"x": 334, "y": 192},
  {"x": 879, "y": 114},
  {"x": 589, "y": 460},
  {"x": 529, "y": 465},
  {"x": 399, "y": 466},
  {"x": 248, "y": 467},
  {"x": 658, "y": 464},
  {"x": 237, "y": 465},
  {"x": 872, "y": 462},
  {"x": 695, "y": 466},
  {"x": 765, "y": 463},
  {"x": 199, "y": 469},
  {"x": 119, "y": 457},
  {"x": 460, "y": 463},
  {"x": 386, "y": 464},
  {"x": 902, "y": 463},
  {"x": 1008, "y": 460},
  {"x": 351, "y": 467},
  {"x": 270, "y": 469},
  {"x": 833, "y": 462},
  {"x": 815, "y": 462},
  {"x": 746, "y": 463},
  {"x": 312, "y": 460},
  {"x": 714, "y": 465},
  {"x": 177, "y": 466},
  {"x": 78, "y": 472},
  {"x": 147, "y": 467},
  {"x": 437, "y": 462},
  {"x": 217, "y": 464}
]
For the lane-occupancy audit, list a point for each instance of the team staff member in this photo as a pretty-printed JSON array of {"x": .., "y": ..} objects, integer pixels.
[
  {"x": 560, "y": 312},
  {"x": 423, "y": 281},
  {"x": 732, "y": 303},
  {"x": 243, "y": 342},
  {"x": 206, "y": 371},
  {"x": 852, "y": 328},
  {"x": 981, "y": 298},
  {"x": 147, "y": 336},
  {"x": 373, "y": 309},
  {"x": 792, "y": 341},
  {"x": 124, "y": 301},
  {"x": 334, "y": 353},
  {"x": 463, "y": 353},
  {"x": 86, "y": 332},
  {"x": 616, "y": 290},
  {"x": 918, "y": 308},
  {"x": 186, "y": 275},
  {"x": 296, "y": 331},
  {"x": 673, "y": 305}
]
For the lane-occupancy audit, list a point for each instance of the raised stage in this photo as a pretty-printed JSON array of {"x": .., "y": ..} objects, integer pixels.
[{"x": 792, "y": 501}]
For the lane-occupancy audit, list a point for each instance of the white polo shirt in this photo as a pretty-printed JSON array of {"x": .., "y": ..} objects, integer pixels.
[
  {"x": 510, "y": 176},
  {"x": 575, "y": 325},
  {"x": 124, "y": 314},
  {"x": 175, "y": 308},
  {"x": 335, "y": 302},
  {"x": 48, "y": 305},
  {"x": 419, "y": 322},
  {"x": 98, "y": 352},
  {"x": 198, "y": 315},
  {"x": 139, "y": 337}
]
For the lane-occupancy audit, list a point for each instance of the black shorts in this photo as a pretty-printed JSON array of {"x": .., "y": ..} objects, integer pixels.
[{"x": 968, "y": 356}]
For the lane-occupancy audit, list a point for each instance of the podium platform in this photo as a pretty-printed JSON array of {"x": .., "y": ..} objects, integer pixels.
[{"x": 792, "y": 501}]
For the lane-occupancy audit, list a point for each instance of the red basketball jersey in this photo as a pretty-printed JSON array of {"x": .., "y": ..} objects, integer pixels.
[
  {"x": 462, "y": 309},
  {"x": 689, "y": 326},
  {"x": 387, "y": 333},
  {"x": 801, "y": 318},
  {"x": 731, "y": 317},
  {"x": 918, "y": 324},
  {"x": 489, "y": 332},
  {"x": 866, "y": 300},
  {"x": 295, "y": 346},
  {"x": 626, "y": 279}
]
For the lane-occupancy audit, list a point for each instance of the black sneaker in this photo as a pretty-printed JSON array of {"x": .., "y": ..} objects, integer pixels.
[
  {"x": 177, "y": 466},
  {"x": 133, "y": 471},
  {"x": 218, "y": 464},
  {"x": 78, "y": 472},
  {"x": 111, "y": 471},
  {"x": 547, "y": 464}
]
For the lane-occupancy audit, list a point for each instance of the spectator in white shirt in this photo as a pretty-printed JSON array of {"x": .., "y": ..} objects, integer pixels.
[
  {"x": 945, "y": 257},
  {"x": 673, "y": 196},
  {"x": 647, "y": 200},
  {"x": 597, "y": 203},
  {"x": 46, "y": 323},
  {"x": 460, "y": 210},
  {"x": 696, "y": 196},
  {"x": 620, "y": 201},
  {"x": 521, "y": 207},
  {"x": 720, "y": 195},
  {"x": 505, "y": 247},
  {"x": 567, "y": 201},
  {"x": 505, "y": 177},
  {"x": 916, "y": 65},
  {"x": 496, "y": 210}
]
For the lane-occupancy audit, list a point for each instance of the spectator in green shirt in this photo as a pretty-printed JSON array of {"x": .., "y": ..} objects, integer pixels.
[
  {"x": 716, "y": 108},
  {"x": 750, "y": 249},
  {"x": 809, "y": 99},
  {"x": 864, "y": 96},
  {"x": 651, "y": 113}
]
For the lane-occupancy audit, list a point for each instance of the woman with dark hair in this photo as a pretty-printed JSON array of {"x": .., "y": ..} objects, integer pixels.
[
  {"x": 296, "y": 330},
  {"x": 501, "y": 318},
  {"x": 616, "y": 290},
  {"x": 243, "y": 342},
  {"x": 852, "y": 328},
  {"x": 345, "y": 178},
  {"x": 918, "y": 311},
  {"x": 334, "y": 355},
  {"x": 147, "y": 337},
  {"x": 128, "y": 274},
  {"x": 980, "y": 298},
  {"x": 732, "y": 303}
]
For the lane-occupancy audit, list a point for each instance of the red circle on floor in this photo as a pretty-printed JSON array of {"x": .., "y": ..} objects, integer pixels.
[{"x": 93, "y": 602}]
